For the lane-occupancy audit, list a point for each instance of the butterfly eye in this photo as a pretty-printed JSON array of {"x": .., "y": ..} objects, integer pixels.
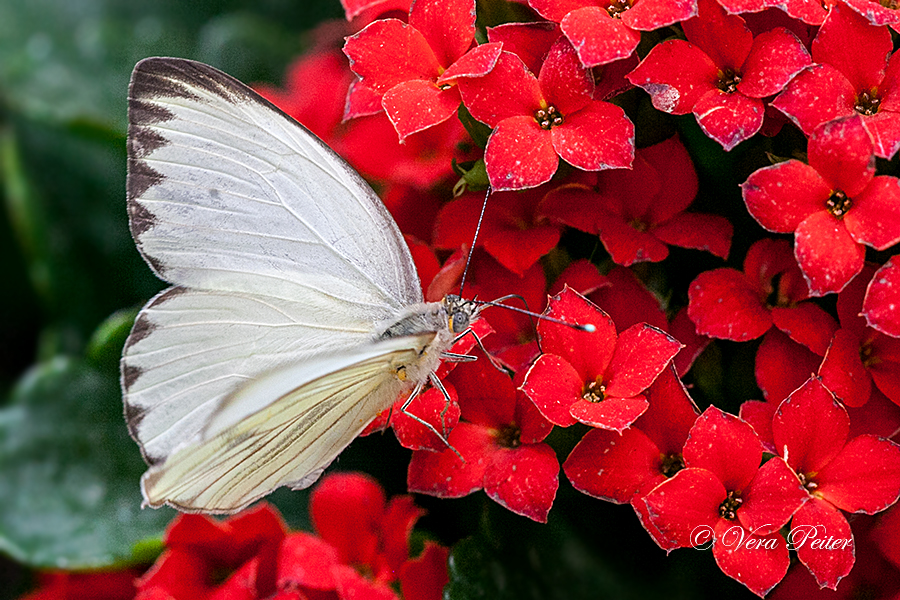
[{"x": 459, "y": 321}]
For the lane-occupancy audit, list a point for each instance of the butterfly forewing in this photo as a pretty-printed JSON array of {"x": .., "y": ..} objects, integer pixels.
[{"x": 278, "y": 250}]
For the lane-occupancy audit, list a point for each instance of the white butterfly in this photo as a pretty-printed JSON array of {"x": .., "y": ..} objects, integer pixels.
[{"x": 295, "y": 314}]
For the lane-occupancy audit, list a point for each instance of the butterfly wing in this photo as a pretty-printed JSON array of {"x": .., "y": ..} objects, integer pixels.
[
  {"x": 277, "y": 249},
  {"x": 284, "y": 428}
]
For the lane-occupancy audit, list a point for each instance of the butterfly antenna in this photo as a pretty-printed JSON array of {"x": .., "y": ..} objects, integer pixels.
[
  {"x": 474, "y": 240},
  {"x": 576, "y": 326}
]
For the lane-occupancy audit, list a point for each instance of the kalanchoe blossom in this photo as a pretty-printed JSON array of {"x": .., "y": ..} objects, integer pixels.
[
  {"x": 623, "y": 467},
  {"x": 810, "y": 430},
  {"x": 860, "y": 355},
  {"x": 740, "y": 306},
  {"x": 538, "y": 120},
  {"x": 721, "y": 73},
  {"x": 513, "y": 230},
  {"x": 881, "y": 306},
  {"x": 604, "y": 31},
  {"x": 852, "y": 75},
  {"x": 724, "y": 498},
  {"x": 782, "y": 365},
  {"x": 354, "y": 8},
  {"x": 834, "y": 205},
  {"x": 638, "y": 212},
  {"x": 597, "y": 378},
  {"x": 415, "y": 66},
  {"x": 501, "y": 442},
  {"x": 362, "y": 548}
]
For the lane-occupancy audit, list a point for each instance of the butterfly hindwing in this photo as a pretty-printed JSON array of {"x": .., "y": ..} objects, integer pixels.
[{"x": 289, "y": 435}]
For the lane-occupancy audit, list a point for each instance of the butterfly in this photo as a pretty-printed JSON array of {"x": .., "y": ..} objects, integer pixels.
[{"x": 295, "y": 314}]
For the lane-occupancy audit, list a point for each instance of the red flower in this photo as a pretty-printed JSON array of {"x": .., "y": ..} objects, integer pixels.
[
  {"x": 597, "y": 378},
  {"x": 105, "y": 585},
  {"x": 881, "y": 306},
  {"x": 810, "y": 430},
  {"x": 623, "y": 467},
  {"x": 834, "y": 205},
  {"x": 637, "y": 212},
  {"x": 852, "y": 75},
  {"x": 501, "y": 443},
  {"x": 537, "y": 120},
  {"x": 513, "y": 230},
  {"x": 860, "y": 355},
  {"x": 415, "y": 67},
  {"x": 204, "y": 557},
  {"x": 782, "y": 365},
  {"x": 721, "y": 73},
  {"x": 363, "y": 549},
  {"x": 607, "y": 30},
  {"x": 725, "y": 498},
  {"x": 740, "y": 306}
]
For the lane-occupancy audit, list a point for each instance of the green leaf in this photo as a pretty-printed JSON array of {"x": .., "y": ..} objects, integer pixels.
[
  {"x": 511, "y": 557},
  {"x": 69, "y": 491},
  {"x": 105, "y": 347},
  {"x": 476, "y": 129}
]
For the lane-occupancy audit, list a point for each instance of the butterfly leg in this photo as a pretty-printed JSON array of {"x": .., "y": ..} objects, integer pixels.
[
  {"x": 416, "y": 391},
  {"x": 458, "y": 357}
]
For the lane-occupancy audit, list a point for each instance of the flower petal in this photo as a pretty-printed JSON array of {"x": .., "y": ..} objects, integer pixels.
[
  {"x": 477, "y": 62},
  {"x": 759, "y": 562},
  {"x": 599, "y": 38},
  {"x": 676, "y": 74},
  {"x": 819, "y": 94},
  {"x": 443, "y": 474},
  {"x": 448, "y": 25},
  {"x": 776, "y": 56},
  {"x": 729, "y": 118},
  {"x": 771, "y": 498},
  {"x": 613, "y": 466},
  {"x": 863, "y": 477},
  {"x": 827, "y": 255},
  {"x": 779, "y": 197},
  {"x": 524, "y": 480},
  {"x": 874, "y": 219},
  {"x": 553, "y": 385},
  {"x": 588, "y": 352},
  {"x": 882, "y": 301},
  {"x": 842, "y": 370},
  {"x": 611, "y": 413},
  {"x": 346, "y": 510},
  {"x": 824, "y": 542},
  {"x": 725, "y": 445},
  {"x": 529, "y": 41},
  {"x": 599, "y": 136},
  {"x": 698, "y": 231},
  {"x": 434, "y": 409},
  {"x": 854, "y": 46},
  {"x": 841, "y": 151},
  {"x": 418, "y": 104},
  {"x": 508, "y": 90},
  {"x": 685, "y": 505},
  {"x": 382, "y": 65},
  {"x": 782, "y": 365},
  {"x": 723, "y": 304},
  {"x": 565, "y": 82},
  {"x": 808, "y": 324},
  {"x": 519, "y": 155},
  {"x": 642, "y": 352},
  {"x": 648, "y": 15}
]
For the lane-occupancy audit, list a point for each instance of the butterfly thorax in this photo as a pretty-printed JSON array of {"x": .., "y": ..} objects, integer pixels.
[
  {"x": 452, "y": 314},
  {"x": 447, "y": 319}
]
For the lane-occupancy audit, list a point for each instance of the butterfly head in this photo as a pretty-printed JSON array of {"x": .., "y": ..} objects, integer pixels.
[{"x": 460, "y": 312}]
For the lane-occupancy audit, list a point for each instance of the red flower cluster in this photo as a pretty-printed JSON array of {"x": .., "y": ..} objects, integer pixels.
[
  {"x": 360, "y": 550},
  {"x": 541, "y": 121}
]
